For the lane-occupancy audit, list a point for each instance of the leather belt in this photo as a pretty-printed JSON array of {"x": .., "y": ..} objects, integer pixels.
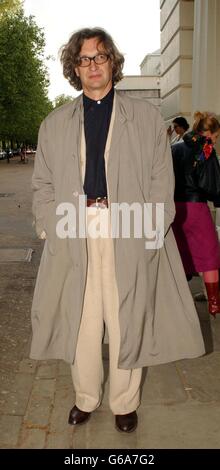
[
  {"x": 99, "y": 202},
  {"x": 190, "y": 198}
]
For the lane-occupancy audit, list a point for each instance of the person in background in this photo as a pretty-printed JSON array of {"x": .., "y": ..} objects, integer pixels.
[
  {"x": 106, "y": 148},
  {"x": 23, "y": 154},
  {"x": 8, "y": 155},
  {"x": 180, "y": 127},
  {"x": 193, "y": 225}
]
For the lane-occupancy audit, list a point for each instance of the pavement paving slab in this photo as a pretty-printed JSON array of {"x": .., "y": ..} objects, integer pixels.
[{"x": 9, "y": 430}]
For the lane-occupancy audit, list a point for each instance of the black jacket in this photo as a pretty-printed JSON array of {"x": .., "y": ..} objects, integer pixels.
[{"x": 186, "y": 179}]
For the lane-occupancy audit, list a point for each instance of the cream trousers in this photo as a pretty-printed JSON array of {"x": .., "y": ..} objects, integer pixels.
[{"x": 101, "y": 307}]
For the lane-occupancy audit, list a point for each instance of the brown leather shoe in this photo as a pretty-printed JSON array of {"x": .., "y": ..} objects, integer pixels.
[
  {"x": 78, "y": 416},
  {"x": 126, "y": 423}
]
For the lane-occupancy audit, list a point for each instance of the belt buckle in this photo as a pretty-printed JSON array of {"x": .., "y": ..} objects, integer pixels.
[{"x": 99, "y": 204}]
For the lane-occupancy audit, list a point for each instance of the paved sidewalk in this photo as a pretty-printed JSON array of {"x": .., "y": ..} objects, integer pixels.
[{"x": 180, "y": 401}]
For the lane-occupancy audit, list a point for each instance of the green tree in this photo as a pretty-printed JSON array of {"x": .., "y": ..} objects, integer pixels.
[
  {"x": 23, "y": 78},
  {"x": 9, "y": 5},
  {"x": 62, "y": 99}
]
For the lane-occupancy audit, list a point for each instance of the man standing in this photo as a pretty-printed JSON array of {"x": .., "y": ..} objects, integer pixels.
[{"x": 114, "y": 150}]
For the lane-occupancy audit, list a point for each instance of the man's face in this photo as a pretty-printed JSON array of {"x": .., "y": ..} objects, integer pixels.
[{"x": 96, "y": 79}]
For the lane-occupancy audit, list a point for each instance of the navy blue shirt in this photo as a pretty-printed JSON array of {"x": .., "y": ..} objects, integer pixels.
[{"x": 97, "y": 116}]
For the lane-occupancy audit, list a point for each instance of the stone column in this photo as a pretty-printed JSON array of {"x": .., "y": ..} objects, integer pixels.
[
  {"x": 206, "y": 56},
  {"x": 176, "y": 58}
]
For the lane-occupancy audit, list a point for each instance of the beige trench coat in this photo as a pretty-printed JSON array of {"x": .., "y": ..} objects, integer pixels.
[{"x": 158, "y": 321}]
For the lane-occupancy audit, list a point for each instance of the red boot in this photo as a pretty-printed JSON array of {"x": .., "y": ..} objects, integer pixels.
[{"x": 212, "y": 289}]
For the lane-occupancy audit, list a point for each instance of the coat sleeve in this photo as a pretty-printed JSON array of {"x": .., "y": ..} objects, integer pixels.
[
  {"x": 42, "y": 183},
  {"x": 162, "y": 177}
]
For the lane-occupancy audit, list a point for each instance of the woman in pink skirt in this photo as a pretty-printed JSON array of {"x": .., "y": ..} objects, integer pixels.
[{"x": 197, "y": 179}]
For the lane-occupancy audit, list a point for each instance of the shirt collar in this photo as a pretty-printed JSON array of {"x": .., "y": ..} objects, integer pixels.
[{"x": 107, "y": 99}]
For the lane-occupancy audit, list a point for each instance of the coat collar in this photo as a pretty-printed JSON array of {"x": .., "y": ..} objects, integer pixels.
[
  {"x": 77, "y": 105},
  {"x": 124, "y": 107}
]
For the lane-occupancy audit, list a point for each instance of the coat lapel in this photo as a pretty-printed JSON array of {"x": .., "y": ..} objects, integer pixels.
[
  {"x": 123, "y": 113},
  {"x": 71, "y": 146}
]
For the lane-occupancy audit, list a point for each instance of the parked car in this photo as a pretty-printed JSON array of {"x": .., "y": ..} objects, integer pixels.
[
  {"x": 30, "y": 150},
  {"x": 2, "y": 154},
  {"x": 16, "y": 151},
  {"x": 9, "y": 153}
]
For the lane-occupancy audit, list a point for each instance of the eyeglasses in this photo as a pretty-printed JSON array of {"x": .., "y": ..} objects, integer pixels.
[{"x": 98, "y": 59}]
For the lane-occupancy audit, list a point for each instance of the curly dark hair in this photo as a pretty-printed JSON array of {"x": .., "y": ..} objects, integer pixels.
[
  {"x": 182, "y": 122},
  {"x": 69, "y": 54}
]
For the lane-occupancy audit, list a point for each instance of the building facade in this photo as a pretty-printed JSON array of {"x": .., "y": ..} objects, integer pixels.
[
  {"x": 146, "y": 87},
  {"x": 151, "y": 64},
  {"x": 190, "y": 57}
]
